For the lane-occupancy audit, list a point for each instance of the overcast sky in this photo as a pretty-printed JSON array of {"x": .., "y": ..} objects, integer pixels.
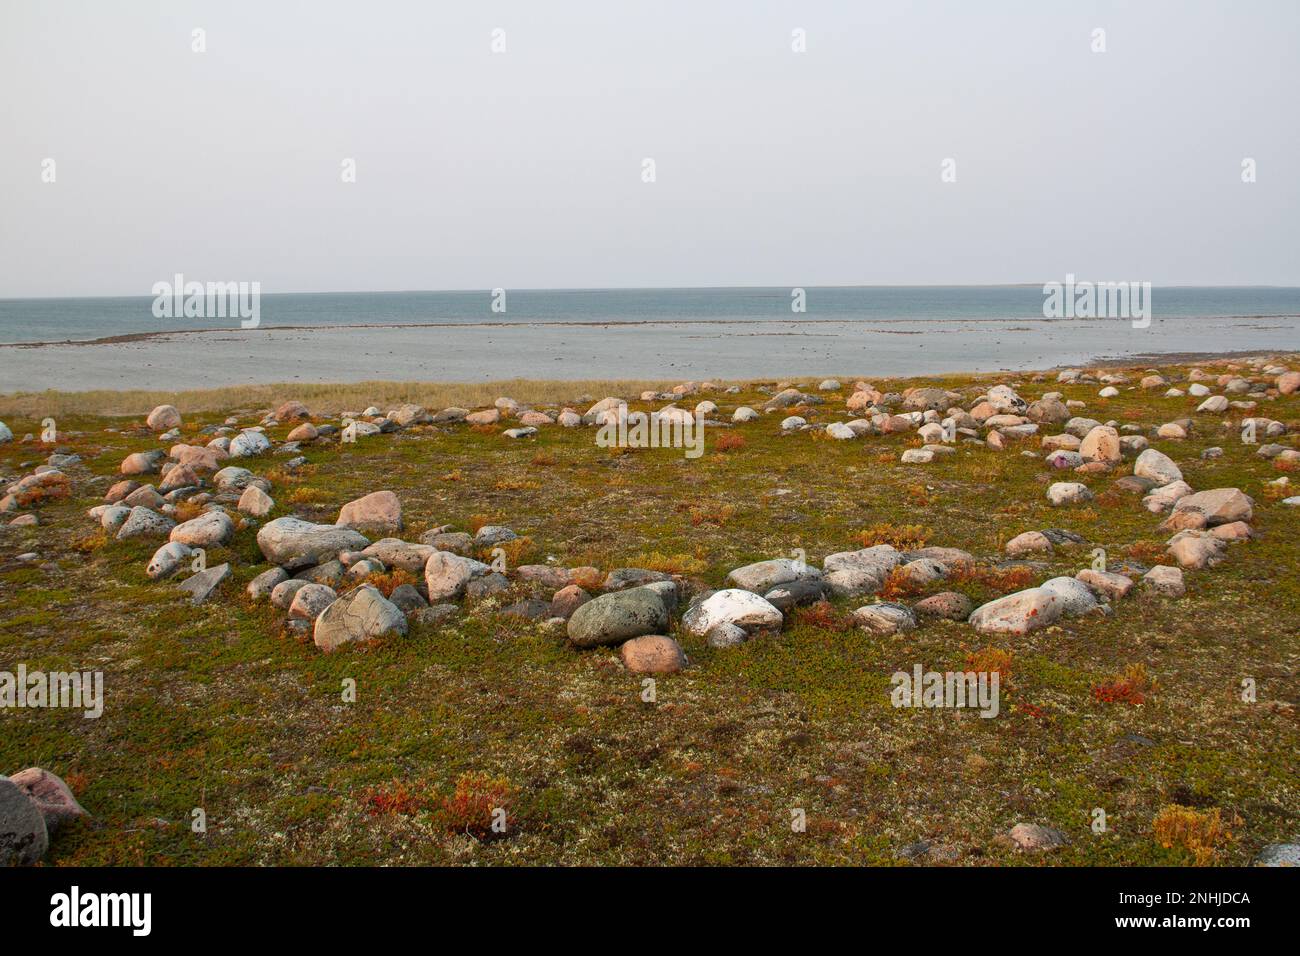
[{"x": 522, "y": 169}]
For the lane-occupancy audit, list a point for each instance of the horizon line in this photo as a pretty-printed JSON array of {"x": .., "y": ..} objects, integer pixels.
[{"x": 669, "y": 288}]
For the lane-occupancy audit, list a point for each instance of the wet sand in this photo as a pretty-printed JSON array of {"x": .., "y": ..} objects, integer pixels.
[{"x": 677, "y": 350}]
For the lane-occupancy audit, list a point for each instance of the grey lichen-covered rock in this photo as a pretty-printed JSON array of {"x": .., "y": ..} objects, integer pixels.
[
  {"x": 266, "y": 582},
  {"x": 167, "y": 560},
  {"x": 622, "y": 578},
  {"x": 205, "y": 531},
  {"x": 360, "y": 615},
  {"x": 1278, "y": 854},
  {"x": 860, "y": 573},
  {"x": 764, "y": 575},
  {"x": 201, "y": 586},
  {"x": 23, "y": 835},
  {"x": 615, "y": 617},
  {"x": 310, "y": 600},
  {"x": 143, "y": 523},
  {"x": 293, "y": 542},
  {"x": 249, "y": 443},
  {"x": 794, "y": 593},
  {"x": 885, "y": 618}
]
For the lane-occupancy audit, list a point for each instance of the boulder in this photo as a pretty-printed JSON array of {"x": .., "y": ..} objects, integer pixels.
[
  {"x": 652, "y": 654},
  {"x": 739, "y": 608},
  {"x": 293, "y": 542},
  {"x": 1158, "y": 467},
  {"x": 144, "y": 523},
  {"x": 1219, "y": 506},
  {"x": 885, "y": 618},
  {"x": 1018, "y": 613},
  {"x": 23, "y": 835},
  {"x": 447, "y": 574},
  {"x": 617, "y": 616},
  {"x": 201, "y": 586},
  {"x": 762, "y": 576},
  {"x": 362, "y": 614},
  {"x": 1165, "y": 581},
  {"x": 167, "y": 560},
  {"x": 1068, "y": 493},
  {"x": 51, "y": 796},
  {"x": 310, "y": 600},
  {"x": 163, "y": 418},
  {"x": 378, "y": 511},
  {"x": 206, "y": 531},
  {"x": 249, "y": 443}
]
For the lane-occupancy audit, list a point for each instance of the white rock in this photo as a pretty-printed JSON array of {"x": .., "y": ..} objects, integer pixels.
[
  {"x": 1157, "y": 466},
  {"x": 743, "y": 609},
  {"x": 1068, "y": 493},
  {"x": 249, "y": 443},
  {"x": 1076, "y": 597},
  {"x": 167, "y": 560},
  {"x": 840, "y": 431}
]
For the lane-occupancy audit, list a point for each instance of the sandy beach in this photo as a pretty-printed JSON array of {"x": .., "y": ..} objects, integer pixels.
[{"x": 562, "y": 351}]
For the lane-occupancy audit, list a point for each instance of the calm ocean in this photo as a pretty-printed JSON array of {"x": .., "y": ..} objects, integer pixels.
[{"x": 58, "y": 320}]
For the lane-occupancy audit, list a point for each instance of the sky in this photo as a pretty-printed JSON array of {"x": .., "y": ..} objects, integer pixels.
[{"x": 524, "y": 168}]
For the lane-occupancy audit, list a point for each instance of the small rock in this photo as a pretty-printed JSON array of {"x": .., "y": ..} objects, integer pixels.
[
  {"x": 652, "y": 654},
  {"x": 201, "y": 586},
  {"x": 1031, "y": 836},
  {"x": 51, "y": 796}
]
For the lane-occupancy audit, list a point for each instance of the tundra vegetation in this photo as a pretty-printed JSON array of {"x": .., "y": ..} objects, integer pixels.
[{"x": 1169, "y": 702}]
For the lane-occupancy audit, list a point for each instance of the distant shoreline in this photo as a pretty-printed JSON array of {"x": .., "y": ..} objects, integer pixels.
[
  {"x": 600, "y": 323},
  {"x": 630, "y": 348}
]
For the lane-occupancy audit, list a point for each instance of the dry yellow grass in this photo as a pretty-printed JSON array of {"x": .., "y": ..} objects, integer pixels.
[{"x": 318, "y": 397}]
